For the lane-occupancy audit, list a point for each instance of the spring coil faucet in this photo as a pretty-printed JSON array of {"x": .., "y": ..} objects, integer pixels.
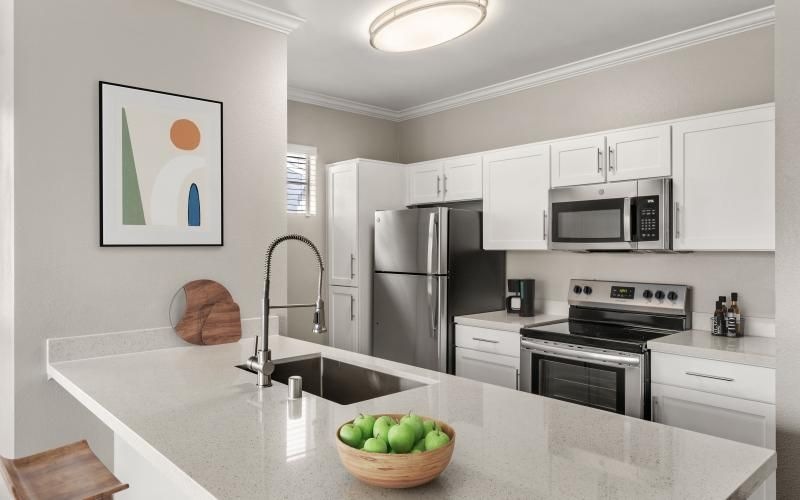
[{"x": 261, "y": 361}]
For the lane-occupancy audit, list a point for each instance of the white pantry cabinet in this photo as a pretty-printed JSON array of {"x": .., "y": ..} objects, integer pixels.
[
  {"x": 355, "y": 190},
  {"x": 724, "y": 181},
  {"x": 516, "y": 182},
  {"x": 343, "y": 318},
  {"x": 451, "y": 179},
  {"x": 342, "y": 224},
  {"x": 639, "y": 153},
  {"x": 578, "y": 161},
  {"x": 486, "y": 355}
]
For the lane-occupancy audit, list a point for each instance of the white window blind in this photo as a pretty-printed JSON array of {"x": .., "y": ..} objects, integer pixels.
[{"x": 301, "y": 181}]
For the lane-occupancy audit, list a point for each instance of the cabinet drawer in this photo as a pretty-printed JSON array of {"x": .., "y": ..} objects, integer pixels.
[
  {"x": 488, "y": 368},
  {"x": 486, "y": 340},
  {"x": 719, "y": 377}
]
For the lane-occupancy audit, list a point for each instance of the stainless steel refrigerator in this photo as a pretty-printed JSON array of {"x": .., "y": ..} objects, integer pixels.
[{"x": 429, "y": 268}]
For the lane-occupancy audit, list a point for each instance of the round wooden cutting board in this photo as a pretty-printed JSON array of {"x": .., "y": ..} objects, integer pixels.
[{"x": 211, "y": 316}]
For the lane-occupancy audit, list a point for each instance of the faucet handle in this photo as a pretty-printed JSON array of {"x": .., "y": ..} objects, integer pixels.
[{"x": 255, "y": 353}]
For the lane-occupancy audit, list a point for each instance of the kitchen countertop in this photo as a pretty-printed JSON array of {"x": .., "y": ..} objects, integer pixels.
[
  {"x": 204, "y": 422},
  {"x": 757, "y": 351},
  {"x": 503, "y": 320}
]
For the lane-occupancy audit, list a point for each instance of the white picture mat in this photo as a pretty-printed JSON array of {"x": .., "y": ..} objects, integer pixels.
[{"x": 114, "y": 98}]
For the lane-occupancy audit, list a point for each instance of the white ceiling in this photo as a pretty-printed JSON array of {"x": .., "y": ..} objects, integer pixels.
[{"x": 330, "y": 53}]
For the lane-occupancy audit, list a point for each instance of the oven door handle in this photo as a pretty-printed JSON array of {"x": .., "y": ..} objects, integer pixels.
[{"x": 577, "y": 355}]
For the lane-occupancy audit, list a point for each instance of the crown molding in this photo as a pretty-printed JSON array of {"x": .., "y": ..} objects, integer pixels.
[
  {"x": 718, "y": 29},
  {"x": 341, "y": 104},
  {"x": 251, "y": 12}
]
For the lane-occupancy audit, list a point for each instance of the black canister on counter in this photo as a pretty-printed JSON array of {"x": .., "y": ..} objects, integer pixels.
[
  {"x": 718, "y": 320},
  {"x": 527, "y": 294}
]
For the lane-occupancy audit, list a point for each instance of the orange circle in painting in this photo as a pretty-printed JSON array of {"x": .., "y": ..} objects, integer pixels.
[{"x": 185, "y": 134}]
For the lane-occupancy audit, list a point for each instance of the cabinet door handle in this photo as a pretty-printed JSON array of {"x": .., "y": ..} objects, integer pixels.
[
  {"x": 479, "y": 339},
  {"x": 677, "y": 220},
  {"x": 352, "y": 266},
  {"x": 599, "y": 162},
  {"x": 352, "y": 308},
  {"x": 705, "y": 375},
  {"x": 438, "y": 185},
  {"x": 544, "y": 225},
  {"x": 610, "y": 159},
  {"x": 444, "y": 184},
  {"x": 517, "y": 379}
]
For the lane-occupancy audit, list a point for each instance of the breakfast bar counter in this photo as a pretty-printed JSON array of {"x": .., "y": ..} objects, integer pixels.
[{"x": 212, "y": 433}]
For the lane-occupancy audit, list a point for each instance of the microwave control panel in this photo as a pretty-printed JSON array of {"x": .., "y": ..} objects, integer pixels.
[{"x": 647, "y": 217}]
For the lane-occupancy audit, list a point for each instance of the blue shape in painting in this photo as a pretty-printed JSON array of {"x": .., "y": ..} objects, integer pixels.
[{"x": 194, "y": 206}]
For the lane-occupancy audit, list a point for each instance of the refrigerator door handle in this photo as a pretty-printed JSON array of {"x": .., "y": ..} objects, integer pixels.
[
  {"x": 433, "y": 235},
  {"x": 433, "y": 305}
]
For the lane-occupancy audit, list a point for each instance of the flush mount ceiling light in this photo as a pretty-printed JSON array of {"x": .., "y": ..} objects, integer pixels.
[{"x": 419, "y": 24}]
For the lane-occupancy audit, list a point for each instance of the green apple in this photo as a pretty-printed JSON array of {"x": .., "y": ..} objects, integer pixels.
[
  {"x": 436, "y": 439},
  {"x": 419, "y": 447},
  {"x": 401, "y": 438},
  {"x": 381, "y": 431},
  {"x": 415, "y": 421},
  {"x": 386, "y": 418},
  {"x": 365, "y": 423},
  {"x": 350, "y": 435},
  {"x": 429, "y": 425},
  {"x": 375, "y": 445}
]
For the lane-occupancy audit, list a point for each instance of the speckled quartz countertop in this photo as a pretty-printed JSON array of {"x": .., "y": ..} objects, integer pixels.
[
  {"x": 197, "y": 417},
  {"x": 502, "y": 320},
  {"x": 757, "y": 351}
]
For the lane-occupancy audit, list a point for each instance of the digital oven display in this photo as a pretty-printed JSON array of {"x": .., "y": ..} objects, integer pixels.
[{"x": 622, "y": 292}]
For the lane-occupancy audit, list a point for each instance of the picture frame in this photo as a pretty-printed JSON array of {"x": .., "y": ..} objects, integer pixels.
[{"x": 161, "y": 168}]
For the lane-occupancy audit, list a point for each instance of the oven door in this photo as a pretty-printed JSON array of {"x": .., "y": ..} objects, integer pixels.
[
  {"x": 606, "y": 380},
  {"x": 596, "y": 217}
]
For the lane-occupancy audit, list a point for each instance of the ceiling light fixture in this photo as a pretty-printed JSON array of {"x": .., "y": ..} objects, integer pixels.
[{"x": 419, "y": 24}]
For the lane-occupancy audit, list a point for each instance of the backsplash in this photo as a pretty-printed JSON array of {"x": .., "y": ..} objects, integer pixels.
[{"x": 709, "y": 274}]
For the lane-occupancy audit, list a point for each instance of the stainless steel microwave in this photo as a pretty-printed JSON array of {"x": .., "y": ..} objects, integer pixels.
[{"x": 632, "y": 215}]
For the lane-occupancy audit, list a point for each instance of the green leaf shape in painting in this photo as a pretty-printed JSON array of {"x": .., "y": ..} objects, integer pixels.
[{"x": 132, "y": 211}]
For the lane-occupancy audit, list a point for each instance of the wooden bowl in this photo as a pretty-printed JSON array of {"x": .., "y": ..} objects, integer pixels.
[{"x": 404, "y": 470}]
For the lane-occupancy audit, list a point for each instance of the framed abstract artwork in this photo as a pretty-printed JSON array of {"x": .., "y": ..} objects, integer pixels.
[{"x": 160, "y": 168}]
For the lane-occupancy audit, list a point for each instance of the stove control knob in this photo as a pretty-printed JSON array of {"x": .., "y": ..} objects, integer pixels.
[
  {"x": 587, "y": 290},
  {"x": 577, "y": 289},
  {"x": 672, "y": 296},
  {"x": 660, "y": 295},
  {"x": 647, "y": 294}
]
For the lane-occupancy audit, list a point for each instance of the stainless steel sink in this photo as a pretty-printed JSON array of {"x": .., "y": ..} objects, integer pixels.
[{"x": 338, "y": 381}]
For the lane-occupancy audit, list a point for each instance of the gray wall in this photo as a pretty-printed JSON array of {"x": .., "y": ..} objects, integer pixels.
[
  {"x": 337, "y": 135},
  {"x": 727, "y": 73},
  {"x": 67, "y": 285},
  {"x": 787, "y": 255},
  {"x": 6, "y": 229}
]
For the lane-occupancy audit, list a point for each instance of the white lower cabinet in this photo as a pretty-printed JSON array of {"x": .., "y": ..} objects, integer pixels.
[
  {"x": 487, "y": 367},
  {"x": 343, "y": 318},
  {"x": 486, "y": 355},
  {"x": 725, "y": 416}
]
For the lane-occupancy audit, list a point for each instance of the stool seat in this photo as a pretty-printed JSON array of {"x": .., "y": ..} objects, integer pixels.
[{"x": 66, "y": 473}]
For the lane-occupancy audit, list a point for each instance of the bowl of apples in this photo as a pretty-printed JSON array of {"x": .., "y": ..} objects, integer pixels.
[{"x": 395, "y": 451}]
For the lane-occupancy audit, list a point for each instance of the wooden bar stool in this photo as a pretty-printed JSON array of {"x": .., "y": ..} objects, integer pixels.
[{"x": 67, "y": 473}]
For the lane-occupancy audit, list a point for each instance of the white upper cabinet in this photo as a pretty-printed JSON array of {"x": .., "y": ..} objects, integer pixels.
[
  {"x": 515, "y": 198},
  {"x": 425, "y": 182},
  {"x": 578, "y": 161},
  {"x": 724, "y": 181},
  {"x": 452, "y": 179},
  {"x": 639, "y": 153},
  {"x": 463, "y": 178},
  {"x": 343, "y": 224}
]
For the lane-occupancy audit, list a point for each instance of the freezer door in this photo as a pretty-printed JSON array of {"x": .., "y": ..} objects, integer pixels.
[
  {"x": 409, "y": 319},
  {"x": 411, "y": 241}
]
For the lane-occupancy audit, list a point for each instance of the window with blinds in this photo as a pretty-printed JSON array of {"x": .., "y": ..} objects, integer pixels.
[{"x": 301, "y": 192}]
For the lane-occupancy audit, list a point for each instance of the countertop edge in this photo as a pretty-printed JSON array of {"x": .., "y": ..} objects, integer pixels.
[
  {"x": 742, "y": 358},
  {"x": 148, "y": 452}
]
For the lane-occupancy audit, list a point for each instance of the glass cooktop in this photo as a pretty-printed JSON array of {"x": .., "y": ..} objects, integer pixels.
[{"x": 618, "y": 337}]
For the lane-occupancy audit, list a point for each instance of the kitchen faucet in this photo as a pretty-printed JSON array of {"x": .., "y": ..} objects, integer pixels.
[{"x": 261, "y": 362}]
